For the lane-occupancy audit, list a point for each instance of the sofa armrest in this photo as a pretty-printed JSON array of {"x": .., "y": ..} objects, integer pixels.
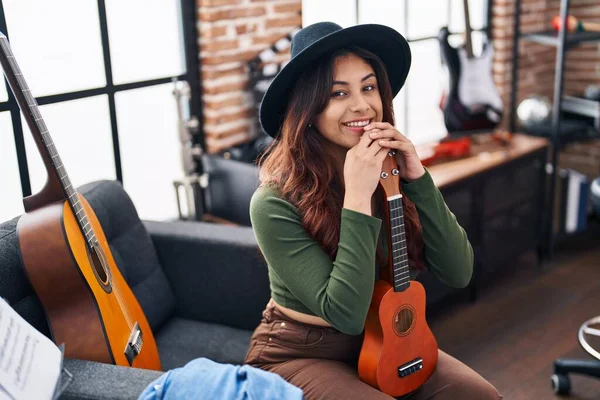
[
  {"x": 216, "y": 271},
  {"x": 93, "y": 380}
]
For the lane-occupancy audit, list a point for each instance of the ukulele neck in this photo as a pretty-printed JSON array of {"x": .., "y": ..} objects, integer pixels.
[{"x": 398, "y": 250}]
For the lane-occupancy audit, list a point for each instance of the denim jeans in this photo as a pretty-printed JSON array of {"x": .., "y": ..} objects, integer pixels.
[{"x": 206, "y": 379}]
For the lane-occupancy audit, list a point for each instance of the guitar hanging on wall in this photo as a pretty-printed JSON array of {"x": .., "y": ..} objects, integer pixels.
[
  {"x": 472, "y": 102},
  {"x": 68, "y": 261},
  {"x": 399, "y": 352}
]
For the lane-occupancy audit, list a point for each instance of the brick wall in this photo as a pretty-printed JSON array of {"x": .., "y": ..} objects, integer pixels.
[
  {"x": 232, "y": 32},
  {"x": 537, "y": 62}
]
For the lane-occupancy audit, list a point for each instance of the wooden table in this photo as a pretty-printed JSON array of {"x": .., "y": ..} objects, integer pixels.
[
  {"x": 497, "y": 195},
  {"x": 484, "y": 157}
]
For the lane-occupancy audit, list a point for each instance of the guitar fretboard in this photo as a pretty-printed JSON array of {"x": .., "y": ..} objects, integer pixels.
[
  {"x": 29, "y": 108},
  {"x": 401, "y": 272}
]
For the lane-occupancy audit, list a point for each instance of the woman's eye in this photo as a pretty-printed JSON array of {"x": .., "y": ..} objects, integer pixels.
[
  {"x": 338, "y": 94},
  {"x": 370, "y": 88}
]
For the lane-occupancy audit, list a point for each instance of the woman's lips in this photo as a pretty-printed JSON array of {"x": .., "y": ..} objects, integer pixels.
[{"x": 355, "y": 129}]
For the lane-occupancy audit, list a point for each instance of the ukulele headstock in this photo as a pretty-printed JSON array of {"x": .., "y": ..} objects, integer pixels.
[{"x": 389, "y": 177}]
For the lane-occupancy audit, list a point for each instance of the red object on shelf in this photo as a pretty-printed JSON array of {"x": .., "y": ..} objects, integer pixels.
[
  {"x": 575, "y": 25},
  {"x": 449, "y": 149}
]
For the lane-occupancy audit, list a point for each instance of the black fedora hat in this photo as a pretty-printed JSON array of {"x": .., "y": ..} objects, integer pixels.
[{"x": 313, "y": 41}]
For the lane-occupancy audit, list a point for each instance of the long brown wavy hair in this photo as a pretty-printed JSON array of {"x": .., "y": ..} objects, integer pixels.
[{"x": 297, "y": 164}]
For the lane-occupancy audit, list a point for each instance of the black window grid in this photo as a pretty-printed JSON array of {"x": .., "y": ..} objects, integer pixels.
[{"x": 191, "y": 75}]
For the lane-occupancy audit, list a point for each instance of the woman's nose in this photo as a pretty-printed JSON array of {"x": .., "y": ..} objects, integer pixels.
[{"x": 359, "y": 104}]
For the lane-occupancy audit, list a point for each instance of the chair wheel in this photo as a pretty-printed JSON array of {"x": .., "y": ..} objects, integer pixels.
[{"x": 561, "y": 384}]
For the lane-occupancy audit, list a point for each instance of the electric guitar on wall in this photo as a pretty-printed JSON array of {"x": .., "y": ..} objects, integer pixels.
[
  {"x": 472, "y": 102},
  {"x": 399, "y": 352},
  {"x": 68, "y": 261}
]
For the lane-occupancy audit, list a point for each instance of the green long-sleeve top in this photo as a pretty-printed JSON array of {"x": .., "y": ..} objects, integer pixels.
[{"x": 303, "y": 277}]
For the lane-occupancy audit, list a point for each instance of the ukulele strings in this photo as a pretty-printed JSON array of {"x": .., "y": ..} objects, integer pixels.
[{"x": 397, "y": 213}]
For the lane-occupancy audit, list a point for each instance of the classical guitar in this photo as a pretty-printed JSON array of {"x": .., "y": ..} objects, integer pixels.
[
  {"x": 399, "y": 352},
  {"x": 68, "y": 262},
  {"x": 471, "y": 102}
]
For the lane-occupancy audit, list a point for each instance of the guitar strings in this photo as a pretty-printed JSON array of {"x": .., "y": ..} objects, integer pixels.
[{"x": 107, "y": 271}]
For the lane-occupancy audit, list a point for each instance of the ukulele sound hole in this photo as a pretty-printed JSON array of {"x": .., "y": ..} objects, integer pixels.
[{"x": 404, "y": 320}]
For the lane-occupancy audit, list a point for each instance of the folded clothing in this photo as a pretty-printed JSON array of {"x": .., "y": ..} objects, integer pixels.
[{"x": 205, "y": 379}]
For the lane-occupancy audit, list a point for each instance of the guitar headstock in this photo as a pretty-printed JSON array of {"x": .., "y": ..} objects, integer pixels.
[{"x": 389, "y": 177}]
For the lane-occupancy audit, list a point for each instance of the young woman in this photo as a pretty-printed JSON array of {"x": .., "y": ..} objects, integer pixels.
[{"x": 317, "y": 215}]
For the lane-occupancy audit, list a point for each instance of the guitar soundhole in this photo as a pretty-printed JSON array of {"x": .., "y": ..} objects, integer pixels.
[
  {"x": 99, "y": 267},
  {"x": 404, "y": 320}
]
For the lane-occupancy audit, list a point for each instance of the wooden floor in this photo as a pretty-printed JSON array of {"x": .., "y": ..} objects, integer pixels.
[{"x": 525, "y": 319}]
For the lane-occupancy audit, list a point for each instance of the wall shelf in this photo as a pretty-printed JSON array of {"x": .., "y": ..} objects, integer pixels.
[
  {"x": 561, "y": 130},
  {"x": 551, "y": 38}
]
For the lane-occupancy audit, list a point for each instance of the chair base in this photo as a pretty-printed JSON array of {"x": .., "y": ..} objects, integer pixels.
[{"x": 561, "y": 384}]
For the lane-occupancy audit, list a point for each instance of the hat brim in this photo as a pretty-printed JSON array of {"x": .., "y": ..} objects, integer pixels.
[{"x": 383, "y": 41}]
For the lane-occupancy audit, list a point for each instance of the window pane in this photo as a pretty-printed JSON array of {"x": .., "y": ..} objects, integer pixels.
[
  {"x": 426, "y": 17},
  {"x": 150, "y": 149},
  {"x": 384, "y": 12},
  {"x": 81, "y": 132},
  {"x": 11, "y": 200},
  {"x": 3, "y": 93},
  {"x": 424, "y": 86},
  {"x": 477, "y": 15},
  {"x": 145, "y": 39},
  {"x": 57, "y": 44},
  {"x": 342, "y": 12}
]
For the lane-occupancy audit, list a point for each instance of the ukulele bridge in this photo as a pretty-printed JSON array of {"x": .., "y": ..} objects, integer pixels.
[
  {"x": 410, "y": 367},
  {"x": 134, "y": 344}
]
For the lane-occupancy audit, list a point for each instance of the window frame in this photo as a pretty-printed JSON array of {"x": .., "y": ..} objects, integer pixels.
[{"x": 187, "y": 10}]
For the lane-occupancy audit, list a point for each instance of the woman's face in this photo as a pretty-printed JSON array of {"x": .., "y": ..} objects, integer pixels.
[{"x": 354, "y": 102}]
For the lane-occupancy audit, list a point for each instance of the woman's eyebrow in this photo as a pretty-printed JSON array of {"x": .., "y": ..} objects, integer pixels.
[{"x": 362, "y": 80}]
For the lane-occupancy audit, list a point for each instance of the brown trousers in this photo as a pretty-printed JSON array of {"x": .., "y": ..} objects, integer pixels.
[{"x": 323, "y": 363}]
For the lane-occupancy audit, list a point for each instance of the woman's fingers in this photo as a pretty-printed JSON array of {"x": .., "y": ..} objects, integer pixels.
[
  {"x": 387, "y": 133},
  {"x": 405, "y": 147}
]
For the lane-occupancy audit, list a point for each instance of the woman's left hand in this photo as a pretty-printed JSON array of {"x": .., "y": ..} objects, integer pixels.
[{"x": 408, "y": 161}]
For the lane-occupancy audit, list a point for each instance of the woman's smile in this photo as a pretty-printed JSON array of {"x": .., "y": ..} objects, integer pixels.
[{"x": 357, "y": 126}]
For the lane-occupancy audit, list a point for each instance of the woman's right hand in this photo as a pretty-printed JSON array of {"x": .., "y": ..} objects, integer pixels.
[{"x": 362, "y": 169}]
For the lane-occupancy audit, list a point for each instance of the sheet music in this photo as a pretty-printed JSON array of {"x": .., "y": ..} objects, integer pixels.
[{"x": 30, "y": 363}]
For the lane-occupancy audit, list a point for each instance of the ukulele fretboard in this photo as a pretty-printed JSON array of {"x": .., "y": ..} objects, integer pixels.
[{"x": 399, "y": 254}]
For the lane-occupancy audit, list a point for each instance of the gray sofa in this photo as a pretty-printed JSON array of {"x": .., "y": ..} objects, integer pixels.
[{"x": 202, "y": 287}]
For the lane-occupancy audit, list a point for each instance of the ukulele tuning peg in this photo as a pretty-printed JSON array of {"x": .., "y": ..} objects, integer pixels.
[
  {"x": 395, "y": 172},
  {"x": 384, "y": 174},
  {"x": 391, "y": 152}
]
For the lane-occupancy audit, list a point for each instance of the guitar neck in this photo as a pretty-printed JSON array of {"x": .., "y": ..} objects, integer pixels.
[
  {"x": 45, "y": 144},
  {"x": 468, "y": 30},
  {"x": 399, "y": 253}
]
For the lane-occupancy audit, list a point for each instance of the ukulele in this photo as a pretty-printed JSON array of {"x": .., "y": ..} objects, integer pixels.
[
  {"x": 399, "y": 352},
  {"x": 68, "y": 261}
]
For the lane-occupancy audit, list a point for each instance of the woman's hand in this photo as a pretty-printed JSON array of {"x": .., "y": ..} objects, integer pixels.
[
  {"x": 362, "y": 169},
  {"x": 408, "y": 161}
]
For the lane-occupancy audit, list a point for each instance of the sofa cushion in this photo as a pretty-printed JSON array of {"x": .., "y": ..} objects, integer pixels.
[{"x": 182, "y": 340}]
